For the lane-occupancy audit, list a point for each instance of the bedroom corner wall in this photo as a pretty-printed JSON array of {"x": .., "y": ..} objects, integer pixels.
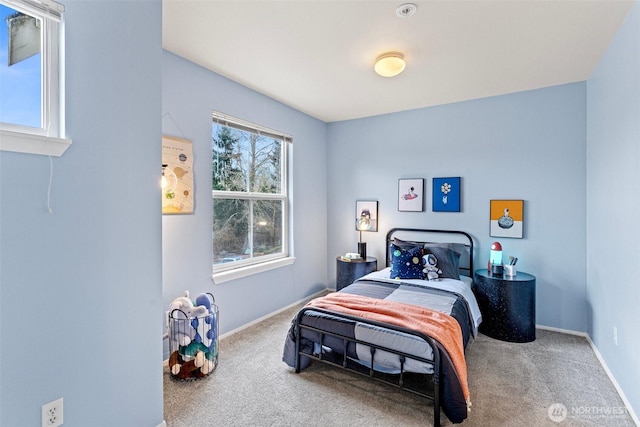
[
  {"x": 189, "y": 94},
  {"x": 81, "y": 306},
  {"x": 613, "y": 206},
  {"x": 528, "y": 145}
]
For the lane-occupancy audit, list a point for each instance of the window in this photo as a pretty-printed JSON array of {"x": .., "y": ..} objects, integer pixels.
[
  {"x": 30, "y": 64},
  {"x": 250, "y": 194}
]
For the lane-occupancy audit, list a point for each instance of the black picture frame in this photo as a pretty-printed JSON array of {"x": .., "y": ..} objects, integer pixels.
[{"x": 411, "y": 195}]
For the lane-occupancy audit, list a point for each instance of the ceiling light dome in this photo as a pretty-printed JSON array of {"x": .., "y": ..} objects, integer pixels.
[{"x": 390, "y": 64}]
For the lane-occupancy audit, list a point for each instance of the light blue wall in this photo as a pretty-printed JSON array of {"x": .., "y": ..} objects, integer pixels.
[
  {"x": 613, "y": 206},
  {"x": 528, "y": 145},
  {"x": 190, "y": 94},
  {"x": 81, "y": 288}
]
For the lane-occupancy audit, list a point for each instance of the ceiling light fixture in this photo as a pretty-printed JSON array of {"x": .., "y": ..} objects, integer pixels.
[
  {"x": 390, "y": 64},
  {"x": 406, "y": 10}
]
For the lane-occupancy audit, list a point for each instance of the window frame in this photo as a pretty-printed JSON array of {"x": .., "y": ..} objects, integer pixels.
[
  {"x": 48, "y": 139},
  {"x": 223, "y": 272}
]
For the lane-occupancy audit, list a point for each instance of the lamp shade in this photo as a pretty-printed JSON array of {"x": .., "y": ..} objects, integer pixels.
[
  {"x": 390, "y": 64},
  {"x": 363, "y": 222},
  {"x": 495, "y": 256}
]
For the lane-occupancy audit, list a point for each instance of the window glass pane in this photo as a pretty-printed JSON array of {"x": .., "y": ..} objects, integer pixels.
[
  {"x": 234, "y": 239},
  {"x": 245, "y": 161},
  {"x": 249, "y": 194},
  {"x": 267, "y": 227},
  {"x": 20, "y": 87},
  {"x": 230, "y": 230}
]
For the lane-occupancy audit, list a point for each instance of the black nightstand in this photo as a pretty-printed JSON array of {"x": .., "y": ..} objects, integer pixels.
[
  {"x": 507, "y": 304},
  {"x": 348, "y": 271}
]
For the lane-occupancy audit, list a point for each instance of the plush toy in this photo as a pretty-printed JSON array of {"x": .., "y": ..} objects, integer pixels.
[
  {"x": 181, "y": 368},
  {"x": 207, "y": 367},
  {"x": 194, "y": 334},
  {"x": 198, "y": 367},
  {"x": 188, "y": 369},
  {"x": 205, "y": 300},
  {"x": 175, "y": 363},
  {"x": 190, "y": 351},
  {"x": 187, "y": 307},
  {"x": 206, "y": 333},
  {"x": 431, "y": 270},
  {"x": 184, "y": 312}
]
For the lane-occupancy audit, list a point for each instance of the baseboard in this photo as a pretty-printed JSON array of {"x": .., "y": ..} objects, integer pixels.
[
  {"x": 626, "y": 402},
  {"x": 562, "y": 331},
  {"x": 266, "y": 316},
  {"x": 162, "y": 424}
]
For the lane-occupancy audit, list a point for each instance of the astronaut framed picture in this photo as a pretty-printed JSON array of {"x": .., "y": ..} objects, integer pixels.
[
  {"x": 411, "y": 195},
  {"x": 507, "y": 218}
]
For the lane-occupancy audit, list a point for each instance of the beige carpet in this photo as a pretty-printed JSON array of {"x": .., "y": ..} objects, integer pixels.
[{"x": 511, "y": 385}]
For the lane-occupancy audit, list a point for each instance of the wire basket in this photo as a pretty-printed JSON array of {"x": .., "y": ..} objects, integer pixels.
[{"x": 193, "y": 344}]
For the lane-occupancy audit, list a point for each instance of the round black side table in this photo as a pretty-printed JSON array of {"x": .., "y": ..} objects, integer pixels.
[
  {"x": 348, "y": 271},
  {"x": 507, "y": 304}
]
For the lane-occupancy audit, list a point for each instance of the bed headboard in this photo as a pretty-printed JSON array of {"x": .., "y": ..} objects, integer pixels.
[{"x": 435, "y": 236}]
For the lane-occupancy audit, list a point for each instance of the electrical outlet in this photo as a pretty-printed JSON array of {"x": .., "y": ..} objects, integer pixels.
[
  {"x": 52, "y": 414},
  {"x": 615, "y": 335}
]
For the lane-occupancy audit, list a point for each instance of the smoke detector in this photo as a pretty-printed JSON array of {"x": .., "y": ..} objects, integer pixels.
[{"x": 406, "y": 10}]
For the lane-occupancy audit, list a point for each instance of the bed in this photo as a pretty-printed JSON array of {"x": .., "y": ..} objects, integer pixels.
[{"x": 406, "y": 325}]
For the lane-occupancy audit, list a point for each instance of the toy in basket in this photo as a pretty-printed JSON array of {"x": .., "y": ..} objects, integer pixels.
[{"x": 193, "y": 336}]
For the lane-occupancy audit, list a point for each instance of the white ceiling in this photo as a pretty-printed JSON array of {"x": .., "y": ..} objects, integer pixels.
[{"x": 317, "y": 55}]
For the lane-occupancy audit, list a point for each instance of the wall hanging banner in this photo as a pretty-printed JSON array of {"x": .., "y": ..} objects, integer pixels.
[{"x": 177, "y": 176}]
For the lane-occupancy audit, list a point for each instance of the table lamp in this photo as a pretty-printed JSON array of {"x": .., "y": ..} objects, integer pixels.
[
  {"x": 495, "y": 259},
  {"x": 363, "y": 223}
]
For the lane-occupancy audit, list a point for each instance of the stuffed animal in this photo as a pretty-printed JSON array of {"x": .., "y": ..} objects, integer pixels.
[
  {"x": 207, "y": 367},
  {"x": 197, "y": 367},
  {"x": 179, "y": 367},
  {"x": 187, "y": 307},
  {"x": 206, "y": 333},
  {"x": 205, "y": 300},
  {"x": 194, "y": 335},
  {"x": 184, "y": 312},
  {"x": 431, "y": 270}
]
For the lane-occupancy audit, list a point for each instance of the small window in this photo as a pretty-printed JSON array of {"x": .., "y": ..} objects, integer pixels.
[
  {"x": 30, "y": 63},
  {"x": 250, "y": 194}
]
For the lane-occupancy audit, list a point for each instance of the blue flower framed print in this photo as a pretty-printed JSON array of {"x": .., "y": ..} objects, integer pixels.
[{"x": 446, "y": 194}]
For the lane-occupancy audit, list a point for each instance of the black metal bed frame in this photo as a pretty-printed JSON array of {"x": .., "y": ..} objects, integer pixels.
[
  {"x": 467, "y": 267},
  {"x": 402, "y": 356}
]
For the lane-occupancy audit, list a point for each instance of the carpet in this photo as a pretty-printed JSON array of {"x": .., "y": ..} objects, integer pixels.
[{"x": 555, "y": 380}]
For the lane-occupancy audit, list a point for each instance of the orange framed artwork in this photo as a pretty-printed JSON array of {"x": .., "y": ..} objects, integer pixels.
[{"x": 507, "y": 218}]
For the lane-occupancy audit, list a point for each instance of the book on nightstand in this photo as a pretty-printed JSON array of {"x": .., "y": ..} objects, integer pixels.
[{"x": 351, "y": 256}]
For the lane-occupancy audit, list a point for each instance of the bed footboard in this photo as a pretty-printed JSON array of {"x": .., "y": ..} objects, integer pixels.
[{"x": 371, "y": 372}]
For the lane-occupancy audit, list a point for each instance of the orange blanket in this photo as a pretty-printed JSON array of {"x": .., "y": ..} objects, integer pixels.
[{"x": 440, "y": 326}]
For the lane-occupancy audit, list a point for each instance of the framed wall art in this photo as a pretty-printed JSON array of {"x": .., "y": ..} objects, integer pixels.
[
  {"x": 411, "y": 195},
  {"x": 446, "y": 194},
  {"x": 367, "y": 215},
  {"x": 507, "y": 218}
]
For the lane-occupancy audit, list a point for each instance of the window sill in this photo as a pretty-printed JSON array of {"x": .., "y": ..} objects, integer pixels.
[
  {"x": 20, "y": 142},
  {"x": 249, "y": 270}
]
